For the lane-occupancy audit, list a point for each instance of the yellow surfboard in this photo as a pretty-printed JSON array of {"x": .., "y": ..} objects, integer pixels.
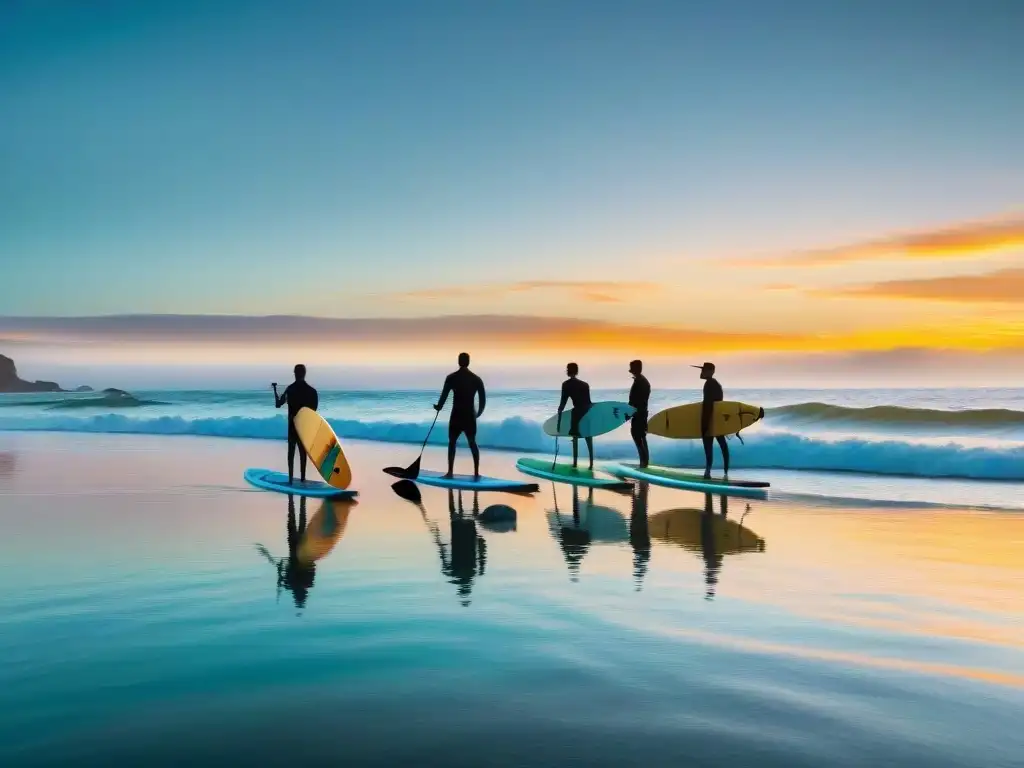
[
  {"x": 683, "y": 421},
  {"x": 689, "y": 528},
  {"x": 325, "y": 528},
  {"x": 323, "y": 448}
]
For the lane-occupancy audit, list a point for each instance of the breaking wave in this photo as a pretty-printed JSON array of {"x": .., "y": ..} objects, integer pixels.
[
  {"x": 882, "y": 416},
  {"x": 762, "y": 450}
]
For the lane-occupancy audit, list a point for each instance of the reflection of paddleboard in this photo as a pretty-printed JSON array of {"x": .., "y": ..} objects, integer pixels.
[
  {"x": 565, "y": 473},
  {"x": 683, "y": 421},
  {"x": 602, "y": 417},
  {"x": 324, "y": 530},
  {"x": 688, "y": 528},
  {"x": 322, "y": 445},
  {"x": 466, "y": 482},
  {"x": 270, "y": 480},
  {"x": 674, "y": 478}
]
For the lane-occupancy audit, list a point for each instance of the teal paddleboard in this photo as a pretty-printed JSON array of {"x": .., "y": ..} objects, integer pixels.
[
  {"x": 677, "y": 478},
  {"x": 468, "y": 483},
  {"x": 270, "y": 480},
  {"x": 566, "y": 473}
]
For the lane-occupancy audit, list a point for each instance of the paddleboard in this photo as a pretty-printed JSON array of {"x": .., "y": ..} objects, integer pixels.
[
  {"x": 270, "y": 480},
  {"x": 601, "y": 418},
  {"x": 566, "y": 473},
  {"x": 676, "y": 478},
  {"x": 323, "y": 448},
  {"x": 467, "y": 483},
  {"x": 683, "y": 421}
]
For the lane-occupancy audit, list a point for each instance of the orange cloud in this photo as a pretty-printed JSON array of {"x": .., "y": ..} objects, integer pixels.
[
  {"x": 969, "y": 240},
  {"x": 596, "y": 291},
  {"x": 513, "y": 334},
  {"x": 1004, "y": 286}
]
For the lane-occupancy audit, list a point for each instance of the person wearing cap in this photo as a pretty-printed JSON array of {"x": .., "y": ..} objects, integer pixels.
[
  {"x": 639, "y": 395},
  {"x": 712, "y": 394}
]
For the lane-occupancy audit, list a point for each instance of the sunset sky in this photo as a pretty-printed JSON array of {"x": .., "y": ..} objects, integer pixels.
[{"x": 782, "y": 185}]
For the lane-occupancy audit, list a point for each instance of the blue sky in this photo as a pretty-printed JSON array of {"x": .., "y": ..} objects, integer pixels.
[{"x": 390, "y": 159}]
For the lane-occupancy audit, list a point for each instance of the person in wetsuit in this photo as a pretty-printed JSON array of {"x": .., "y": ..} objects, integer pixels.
[
  {"x": 464, "y": 386},
  {"x": 298, "y": 395},
  {"x": 712, "y": 394},
  {"x": 639, "y": 395},
  {"x": 578, "y": 391}
]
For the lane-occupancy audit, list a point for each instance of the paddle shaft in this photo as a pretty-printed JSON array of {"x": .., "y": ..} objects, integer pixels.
[{"x": 423, "y": 447}]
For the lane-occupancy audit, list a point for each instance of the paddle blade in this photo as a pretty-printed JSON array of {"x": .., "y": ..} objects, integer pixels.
[
  {"x": 407, "y": 490},
  {"x": 411, "y": 472}
]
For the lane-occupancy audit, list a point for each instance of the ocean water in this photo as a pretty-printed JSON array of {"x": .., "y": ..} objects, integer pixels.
[
  {"x": 885, "y": 445},
  {"x": 154, "y": 610}
]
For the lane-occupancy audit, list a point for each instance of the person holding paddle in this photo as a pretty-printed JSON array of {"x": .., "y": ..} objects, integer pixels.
[
  {"x": 578, "y": 391},
  {"x": 299, "y": 394},
  {"x": 464, "y": 386}
]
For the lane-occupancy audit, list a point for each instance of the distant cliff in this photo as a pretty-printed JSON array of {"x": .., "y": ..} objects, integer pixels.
[{"x": 9, "y": 381}]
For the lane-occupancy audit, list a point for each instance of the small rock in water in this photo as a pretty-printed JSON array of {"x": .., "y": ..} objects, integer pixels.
[{"x": 499, "y": 518}]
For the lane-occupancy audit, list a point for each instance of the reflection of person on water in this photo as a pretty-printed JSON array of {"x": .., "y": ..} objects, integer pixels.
[
  {"x": 639, "y": 396},
  {"x": 298, "y": 395},
  {"x": 292, "y": 573},
  {"x": 464, "y": 386},
  {"x": 640, "y": 534},
  {"x": 578, "y": 391},
  {"x": 573, "y": 540},
  {"x": 712, "y": 558},
  {"x": 469, "y": 550},
  {"x": 712, "y": 394}
]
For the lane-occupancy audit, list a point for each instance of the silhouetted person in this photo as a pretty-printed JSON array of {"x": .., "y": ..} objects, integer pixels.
[
  {"x": 639, "y": 397},
  {"x": 578, "y": 391},
  {"x": 712, "y": 394},
  {"x": 464, "y": 386},
  {"x": 298, "y": 395},
  {"x": 640, "y": 534}
]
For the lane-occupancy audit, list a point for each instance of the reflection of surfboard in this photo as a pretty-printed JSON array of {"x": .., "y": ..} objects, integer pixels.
[
  {"x": 605, "y": 525},
  {"x": 683, "y": 421},
  {"x": 322, "y": 445},
  {"x": 687, "y": 528},
  {"x": 466, "y": 482},
  {"x": 324, "y": 530},
  {"x": 565, "y": 473},
  {"x": 270, "y": 480},
  {"x": 674, "y": 478},
  {"x": 601, "y": 418}
]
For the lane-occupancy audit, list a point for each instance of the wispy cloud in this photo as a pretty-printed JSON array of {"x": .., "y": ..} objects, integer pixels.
[
  {"x": 592, "y": 291},
  {"x": 517, "y": 334},
  {"x": 967, "y": 240},
  {"x": 510, "y": 331},
  {"x": 1004, "y": 286}
]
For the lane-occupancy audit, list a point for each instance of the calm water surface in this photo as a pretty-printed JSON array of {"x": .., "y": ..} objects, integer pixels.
[{"x": 156, "y": 611}]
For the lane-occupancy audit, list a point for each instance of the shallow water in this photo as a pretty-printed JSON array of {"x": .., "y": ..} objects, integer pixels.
[{"x": 140, "y": 623}]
